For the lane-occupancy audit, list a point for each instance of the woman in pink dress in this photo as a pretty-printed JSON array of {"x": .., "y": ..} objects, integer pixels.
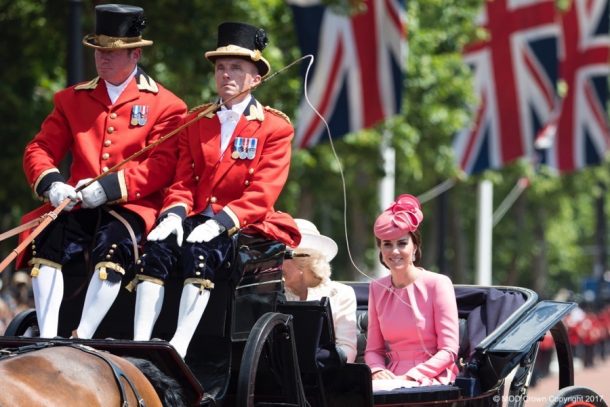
[{"x": 413, "y": 320}]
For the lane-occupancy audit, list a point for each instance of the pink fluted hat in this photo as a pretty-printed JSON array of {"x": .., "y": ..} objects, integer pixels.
[{"x": 402, "y": 217}]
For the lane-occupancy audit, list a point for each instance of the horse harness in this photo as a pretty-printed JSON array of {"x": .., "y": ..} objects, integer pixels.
[{"x": 116, "y": 370}]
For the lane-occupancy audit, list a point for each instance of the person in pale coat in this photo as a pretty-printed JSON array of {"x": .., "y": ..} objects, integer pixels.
[
  {"x": 307, "y": 278},
  {"x": 413, "y": 319}
]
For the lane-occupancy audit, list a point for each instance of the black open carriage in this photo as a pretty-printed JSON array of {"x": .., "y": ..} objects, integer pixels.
[{"x": 252, "y": 348}]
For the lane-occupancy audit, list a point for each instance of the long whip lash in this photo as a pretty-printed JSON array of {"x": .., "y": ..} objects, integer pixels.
[{"x": 344, "y": 191}]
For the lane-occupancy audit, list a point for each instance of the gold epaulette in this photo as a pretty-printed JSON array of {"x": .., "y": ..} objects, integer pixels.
[
  {"x": 146, "y": 83},
  {"x": 202, "y": 108},
  {"x": 92, "y": 84},
  {"x": 278, "y": 113}
]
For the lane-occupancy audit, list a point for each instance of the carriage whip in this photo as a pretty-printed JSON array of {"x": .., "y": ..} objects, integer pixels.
[{"x": 42, "y": 222}]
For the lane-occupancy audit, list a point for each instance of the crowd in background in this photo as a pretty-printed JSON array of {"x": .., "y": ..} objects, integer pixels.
[{"x": 15, "y": 296}]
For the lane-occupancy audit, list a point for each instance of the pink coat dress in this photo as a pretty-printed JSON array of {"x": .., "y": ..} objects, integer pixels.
[{"x": 414, "y": 330}]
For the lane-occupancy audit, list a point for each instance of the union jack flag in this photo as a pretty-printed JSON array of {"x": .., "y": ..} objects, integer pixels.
[
  {"x": 577, "y": 135},
  {"x": 358, "y": 69},
  {"x": 515, "y": 73}
]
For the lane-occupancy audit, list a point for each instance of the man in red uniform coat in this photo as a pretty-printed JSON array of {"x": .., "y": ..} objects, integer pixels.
[
  {"x": 101, "y": 122},
  {"x": 231, "y": 169}
]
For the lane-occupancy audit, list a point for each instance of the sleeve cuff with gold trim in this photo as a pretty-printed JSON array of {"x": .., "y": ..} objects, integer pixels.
[
  {"x": 227, "y": 218},
  {"x": 179, "y": 210},
  {"x": 46, "y": 179},
  {"x": 114, "y": 186}
]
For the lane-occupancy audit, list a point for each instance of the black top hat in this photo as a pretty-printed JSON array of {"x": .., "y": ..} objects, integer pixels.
[
  {"x": 241, "y": 40},
  {"x": 117, "y": 26}
]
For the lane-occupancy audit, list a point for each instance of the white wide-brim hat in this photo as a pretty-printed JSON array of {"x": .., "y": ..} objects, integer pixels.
[{"x": 311, "y": 239}]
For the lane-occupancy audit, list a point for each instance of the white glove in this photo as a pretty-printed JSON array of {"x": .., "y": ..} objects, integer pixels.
[
  {"x": 59, "y": 191},
  {"x": 170, "y": 224},
  {"x": 93, "y": 195},
  {"x": 205, "y": 232}
]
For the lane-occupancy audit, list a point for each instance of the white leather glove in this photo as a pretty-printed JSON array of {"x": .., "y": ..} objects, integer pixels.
[
  {"x": 205, "y": 232},
  {"x": 59, "y": 191},
  {"x": 93, "y": 195},
  {"x": 170, "y": 224}
]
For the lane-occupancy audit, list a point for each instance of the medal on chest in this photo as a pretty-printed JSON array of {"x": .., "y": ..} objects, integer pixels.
[
  {"x": 244, "y": 148},
  {"x": 238, "y": 148},
  {"x": 139, "y": 115},
  {"x": 251, "y": 151}
]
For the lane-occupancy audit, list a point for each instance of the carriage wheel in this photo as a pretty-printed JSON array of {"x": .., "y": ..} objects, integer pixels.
[
  {"x": 271, "y": 325},
  {"x": 23, "y": 324},
  {"x": 577, "y": 396}
]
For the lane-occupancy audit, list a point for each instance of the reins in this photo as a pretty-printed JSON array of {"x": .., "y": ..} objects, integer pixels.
[{"x": 43, "y": 221}]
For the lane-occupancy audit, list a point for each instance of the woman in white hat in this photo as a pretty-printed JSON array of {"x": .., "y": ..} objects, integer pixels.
[{"x": 307, "y": 277}]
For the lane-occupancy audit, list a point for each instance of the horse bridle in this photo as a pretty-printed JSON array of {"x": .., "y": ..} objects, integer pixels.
[{"x": 116, "y": 370}]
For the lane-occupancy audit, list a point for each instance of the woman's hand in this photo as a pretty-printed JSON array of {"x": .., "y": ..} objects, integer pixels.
[
  {"x": 423, "y": 381},
  {"x": 384, "y": 374}
]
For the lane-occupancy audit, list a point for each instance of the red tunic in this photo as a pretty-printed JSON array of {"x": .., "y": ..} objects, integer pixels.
[
  {"x": 100, "y": 134},
  {"x": 241, "y": 191}
]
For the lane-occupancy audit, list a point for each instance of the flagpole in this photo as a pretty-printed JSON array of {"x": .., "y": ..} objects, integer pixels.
[
  {"x": 601, "y": 263},
  {"x": 484, "y": 232},
  {"x": 387, "y": 184}
]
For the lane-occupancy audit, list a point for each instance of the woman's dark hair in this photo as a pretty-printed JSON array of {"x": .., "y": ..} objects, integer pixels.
[{"x": 416, "y": 236}]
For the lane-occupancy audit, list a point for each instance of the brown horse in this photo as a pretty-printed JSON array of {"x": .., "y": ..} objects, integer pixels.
[{"x": 76, "y": 375}]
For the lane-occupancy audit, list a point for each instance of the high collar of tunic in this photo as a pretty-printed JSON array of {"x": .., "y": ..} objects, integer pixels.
[{"x": 114, "y": 91}]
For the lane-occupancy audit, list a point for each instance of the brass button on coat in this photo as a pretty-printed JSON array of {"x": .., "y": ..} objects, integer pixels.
[{"x": 105, "y": 156}]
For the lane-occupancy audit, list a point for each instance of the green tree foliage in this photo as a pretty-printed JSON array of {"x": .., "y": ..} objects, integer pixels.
[
  {"x": 545, "y": 241},
  {"x": 32, "y": 56}
]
